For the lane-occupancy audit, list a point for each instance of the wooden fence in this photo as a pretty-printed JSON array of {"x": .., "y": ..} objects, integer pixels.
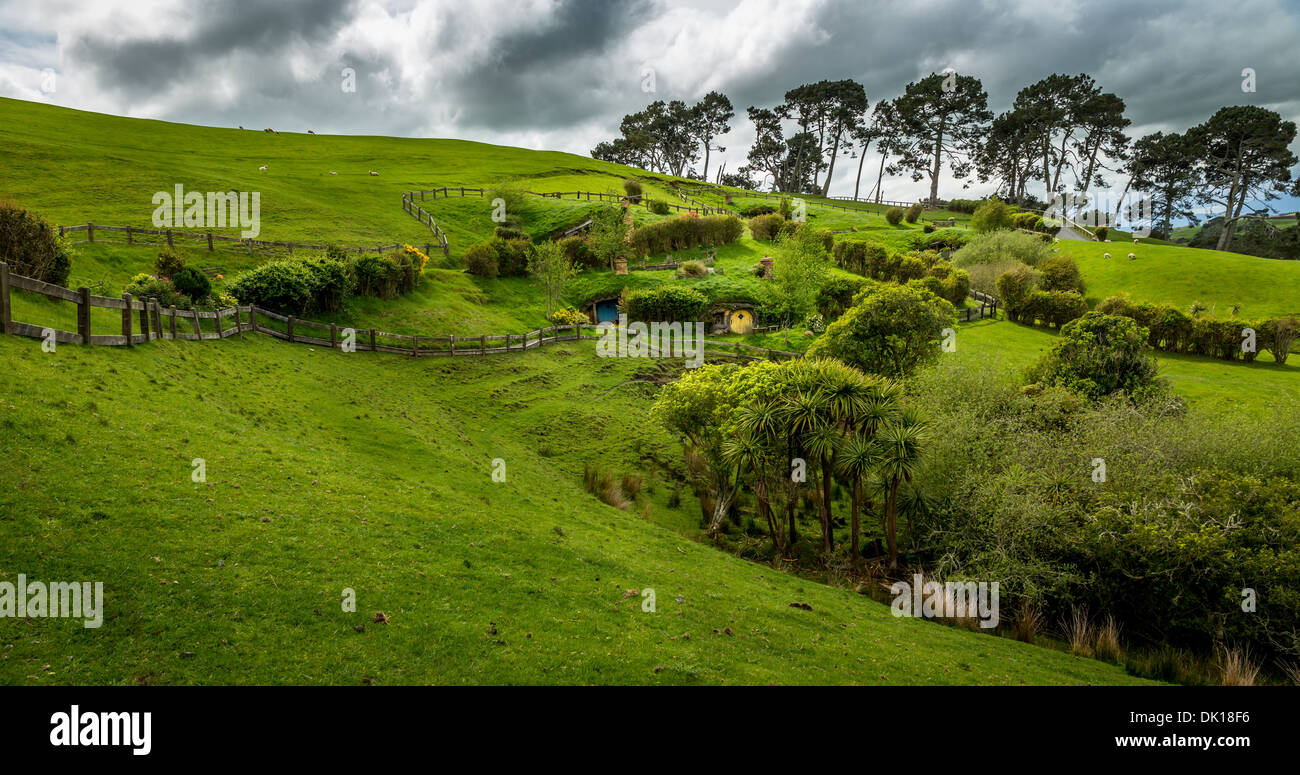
[
  {"x": 156, "y": 322},
  {"x": 133, "y": 234}
]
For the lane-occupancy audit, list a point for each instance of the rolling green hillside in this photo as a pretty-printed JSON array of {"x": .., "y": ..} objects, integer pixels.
[{"x": 328, "y": 471}]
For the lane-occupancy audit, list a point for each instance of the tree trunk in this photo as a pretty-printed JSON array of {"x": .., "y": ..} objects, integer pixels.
[
  {"x": 938, "y": 165},
  {"x": 880, "y": 176},
  {"x": 720, "y": 508},
  {"x": 835, "y": 151},
  {"x": 855, "y": 522},
  {"x": 858, "y": 185},
  {"x": 891, "y": 526},
  {"x": 827, "y": 475},
  {"x": 705, "y": 176}
]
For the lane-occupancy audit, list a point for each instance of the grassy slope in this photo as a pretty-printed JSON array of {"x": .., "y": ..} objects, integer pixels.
[
  {"x": 327, "y": 470},
  {"x": 1210, "y": 385},
  {"x": 1180, "y": 275}
]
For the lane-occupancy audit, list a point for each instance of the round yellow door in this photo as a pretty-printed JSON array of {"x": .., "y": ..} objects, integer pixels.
[{"x": 742, "y": 321}]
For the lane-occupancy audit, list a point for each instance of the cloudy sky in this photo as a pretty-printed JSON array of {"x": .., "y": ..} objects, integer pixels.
[{"x": 559, "y": 74}]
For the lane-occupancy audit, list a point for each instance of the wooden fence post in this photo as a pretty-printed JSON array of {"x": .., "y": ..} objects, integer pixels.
[
  {"x": 155, "y": 309},
  {"x": 128, "y": 235},
  {"x": 252, "y": 318},
  {"x": 90, "y": 232},
  {"x": 198, "y": 330},
  {"x": 220, "y": 330},
  {"x": 415, "y": 345},
  {"x": 372, "y": 340},
  {"x": 171, "y": 325},
  {"x": 6, "y": 314},
  {"x": 290, "y": 328},
  {"x": 209, "y": 242},
  {"x": 482, "y": 345},
  {"x": 334, "y": 336},
  {"x": 83, "y": 314},
  {"x": 126, "y": 318},
  {"x": 170, "y": 244},
  {"x": 453, "y": 344},
  {"x": 144, "y": 320}
]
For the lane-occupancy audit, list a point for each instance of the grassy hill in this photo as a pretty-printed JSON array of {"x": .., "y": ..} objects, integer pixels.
[
  {"x": 328, "y": 471},
  {"x": 372, "y": 472}
]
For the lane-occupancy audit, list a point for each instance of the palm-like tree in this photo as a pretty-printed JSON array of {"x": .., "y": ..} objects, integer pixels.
[
  {"x": 807, "y": 420},
  {"x": 859, "y": 455},
  {"x": 748, "y": 450},
  {"x": 902, "y": 443}
]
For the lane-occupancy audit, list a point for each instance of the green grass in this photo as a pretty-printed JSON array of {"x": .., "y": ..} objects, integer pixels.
[
  {"x": 1181, "y": 275},
  {"x": 328, "y": 471},
  {"x": 1209, "y": 385}
]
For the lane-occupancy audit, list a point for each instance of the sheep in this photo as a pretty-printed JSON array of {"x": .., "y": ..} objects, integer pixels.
[
  {"x": 262, "y": 168},
  {"x": 310, "y": 132},
  {"x": 241, "y": 127},
  {"x": 332, "y": 172},
  {"x": 374, "y": 174},
  {"x": 1105, "y": 255},
  {"x": 1135, "y": 240},
  {"x": 269, "y": 130},
  {"x": 1107, "y": 240},
  {"x": 1131, "y": 256}
]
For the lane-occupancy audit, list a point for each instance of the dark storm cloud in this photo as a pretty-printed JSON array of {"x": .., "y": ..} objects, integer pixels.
[
  {"x": 222, "y": 29},
  {"x": 549, "y": 76}
]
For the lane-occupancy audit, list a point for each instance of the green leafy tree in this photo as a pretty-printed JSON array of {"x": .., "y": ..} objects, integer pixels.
[
  {"x": 991, "y": 216},
  {"x": 551, "y": 265},
  {"x": 890, "y": 330},
  {"x": 945, "y": 117},
  {"x": 799, "y": 271},
  {"x": 902, "y": 446}
]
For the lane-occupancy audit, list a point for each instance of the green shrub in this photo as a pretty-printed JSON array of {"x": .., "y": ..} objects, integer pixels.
[
  {"x": 481, "y": 260},
  {"x": 998, "y": 246},
  {"x": 1276, "y": 336},
  {"x": 283, "y": 286},
  {"x": 1098, "y": 355},
  {"x": 160, "y": 289},
  {"x": 658, "y": 208},
  {"x": 913, "y": 213},
  {"x": 784, "y": 209},
  {"x": 692, "y": 269},
  {"x": 765, "y": 227},
  {"x": 894, "y": 215},
  {"x": 168, "y": 263},
  {"x": 956, "y": 287},
  {"x": 684, "y": 233},
  {"x": 632, "y": 187},
  {"x": 192, "y": 283},
  {"x": 1102, "y": 233},
  {"x": 510, "y": 232},
  {"x": 963, "y": 205},
  {"x": 579, "y": 252},
  {"x": 929, "y": 284},
  {"x": 838, "y": 293},
  {"x": 1060, "y": 273},
  {"x": 666, "y": 304},
  {"x": 31, "y": 247},
  {"x": 991, "y": 216},
  {"x": 928, "y": 228},
  {"x": 1055, "y": 308},
  {"x": 1014, "y": 289},
  {"x": 756, "y": 210}
]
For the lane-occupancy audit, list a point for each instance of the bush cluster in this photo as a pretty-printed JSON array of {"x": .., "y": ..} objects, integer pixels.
[
  {"x": 913, "y": 213},
  {"x": 1172, "y": 330},
  {"x": 877, "y": 262},
  {"x": 685, "y": 232},
  {"x": 895, "y": 215},
  {"x": 31, "y": 247},
  {"x": 499, "y": 257},
  {"x": 666, "y": 304}
]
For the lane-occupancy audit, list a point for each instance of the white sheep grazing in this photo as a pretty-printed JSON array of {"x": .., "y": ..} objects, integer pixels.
[
  {"x": 333, "y": 172},
  {"x": 262, "y": 168},
  {"x": 1131, "y": 256},
  {"x": 1105, "y": 255},
  {"x": 1135, "y": 240},
  {"x": 1107, "y": 240},
  {"x": 375, "y": 174}
]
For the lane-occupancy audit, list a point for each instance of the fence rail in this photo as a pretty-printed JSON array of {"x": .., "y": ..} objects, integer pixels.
[
  {"x": 156, "y": 322},
  {"x": 211, "y": 239}
]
